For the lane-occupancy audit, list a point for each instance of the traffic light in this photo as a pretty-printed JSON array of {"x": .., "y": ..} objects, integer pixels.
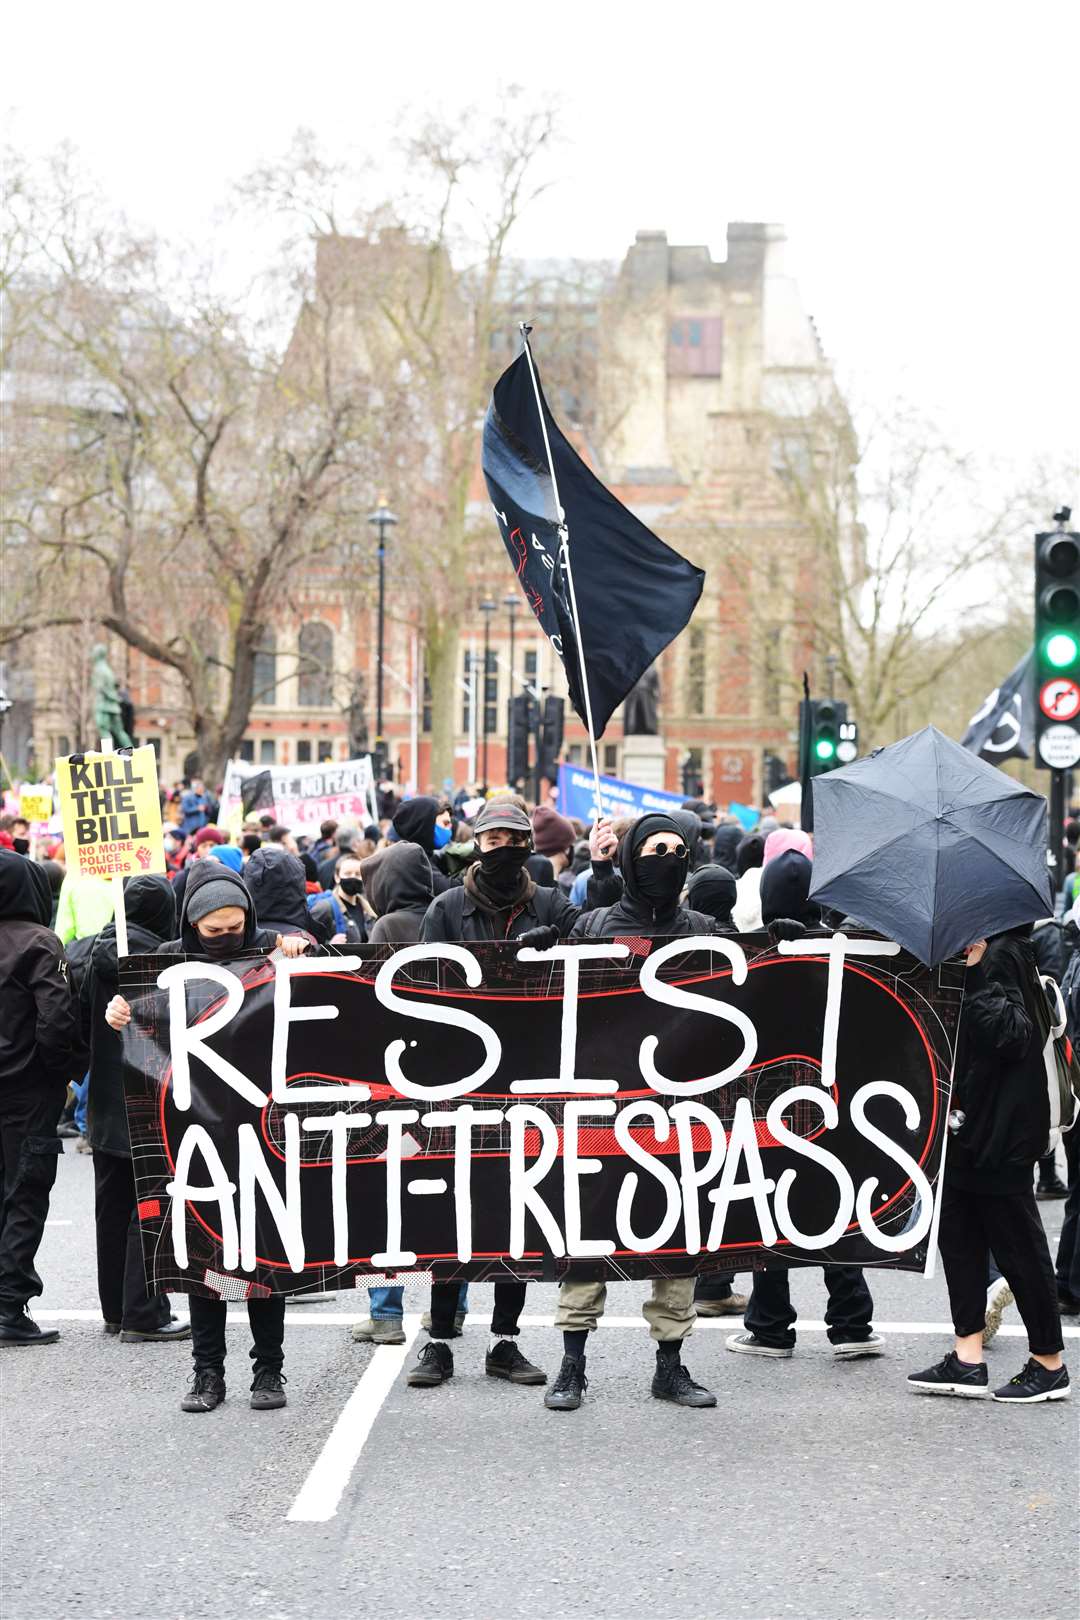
[
  {"x": 1057, "y": 646},
  {"x": 517, "y": 744},
  {"x": 550, "y": 737},
  {"x": 825, "y": 717}
]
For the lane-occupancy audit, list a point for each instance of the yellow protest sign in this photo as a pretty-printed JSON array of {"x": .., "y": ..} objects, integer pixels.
[
  {"x": 35, "y": 803},
  {"x": 111, "y": 813}
]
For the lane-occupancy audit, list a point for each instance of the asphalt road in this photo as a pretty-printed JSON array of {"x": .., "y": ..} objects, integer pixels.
[{"x": 814, "y": 1489}]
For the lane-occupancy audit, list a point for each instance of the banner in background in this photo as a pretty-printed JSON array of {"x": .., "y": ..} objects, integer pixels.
[
  {"x": 577, "y": 795},
  {"x": 300, "y": 796},
  {"x": 111, "y": 813},
  {"x": 665, "y": 1107},
  {"x": 36, "y": 802}
]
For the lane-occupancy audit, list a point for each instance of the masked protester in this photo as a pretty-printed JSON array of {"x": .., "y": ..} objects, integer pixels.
[
  {"x": 40, "y": 1051},
  {"x": 712, "y": 889},
  {"x": 654, "y": 859},
  {"x": 278, "y": 887},
  {"x": 219, "y": 921},
  {"x": 497, "y": 899},
  {"x": 125, "y": 1305},
  {"x": 426, "y": 822},
  {"x": 398, "y": 881}
]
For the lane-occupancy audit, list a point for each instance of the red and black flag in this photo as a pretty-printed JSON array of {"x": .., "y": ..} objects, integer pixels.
[{"x": 633, "y": 593}]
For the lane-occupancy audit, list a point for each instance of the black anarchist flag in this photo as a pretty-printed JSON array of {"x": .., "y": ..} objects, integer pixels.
[
  {"x": 1003, "y": 726},
  {"x": 634, "y": 593}
]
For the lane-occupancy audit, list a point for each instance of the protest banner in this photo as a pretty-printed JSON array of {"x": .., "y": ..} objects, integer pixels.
[
  {"x": 36, "y": 802},
  {"x": 576, "y": 790},
  {"x": 622, "y": 1107},
  {"x": 111, "y": 813},
  {"x": 301, "y": 796}
]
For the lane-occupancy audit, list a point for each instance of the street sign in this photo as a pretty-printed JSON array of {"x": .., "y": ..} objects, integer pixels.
[
  {"x": 1060, "y": 748},
  {"x": 1059, "y": 699}
]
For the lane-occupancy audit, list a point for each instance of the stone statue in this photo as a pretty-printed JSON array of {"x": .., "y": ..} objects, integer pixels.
[
  {"x": 107, "y": 703},
  {"x": 356, "y": 715},
  {"x": 641, "y": 712}
]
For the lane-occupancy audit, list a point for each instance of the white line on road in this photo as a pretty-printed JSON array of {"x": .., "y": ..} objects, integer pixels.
[
  {"x": 58, "y": 1223},
  {"x": 322, "y": 1490},
  {"x": 321, "y": 1318}
]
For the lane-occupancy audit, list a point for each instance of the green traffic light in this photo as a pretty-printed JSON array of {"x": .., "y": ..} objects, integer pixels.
[
  {"x": 1062, "y": 650},
  {"x": 824, "y": 748}
]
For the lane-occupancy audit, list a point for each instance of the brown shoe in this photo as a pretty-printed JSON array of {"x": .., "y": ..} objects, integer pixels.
[{"x": 734, "y": 1305}]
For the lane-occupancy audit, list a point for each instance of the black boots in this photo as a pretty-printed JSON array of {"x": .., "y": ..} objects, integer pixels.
[{"x": 17, "y": 1326}]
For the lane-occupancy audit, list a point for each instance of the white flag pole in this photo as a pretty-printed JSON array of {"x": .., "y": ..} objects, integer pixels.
[
  {"x": 119, "y": 914},
  {"x": 564, "y": 552}
]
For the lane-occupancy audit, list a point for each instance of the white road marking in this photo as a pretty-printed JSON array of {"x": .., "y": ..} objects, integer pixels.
[
  {"x": 58, "y": 1223},
  {"x": 330, "y": 1473},
  {"x": 730, "y": 1324}
]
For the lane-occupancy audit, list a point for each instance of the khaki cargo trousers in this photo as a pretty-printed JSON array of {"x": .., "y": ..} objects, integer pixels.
[{"x": 669, "y": 1311}]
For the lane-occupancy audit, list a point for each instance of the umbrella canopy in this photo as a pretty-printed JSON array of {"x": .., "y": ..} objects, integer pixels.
[{"x": 930, "y": 846}]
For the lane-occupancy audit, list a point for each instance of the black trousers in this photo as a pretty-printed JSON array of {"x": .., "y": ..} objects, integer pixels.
[
  {"x": 29, "y": 1149},
  {"x": 509, "y": 1304},
  {"x": 120, "y": 1273},
  {"x": 266, "y": 1318},
  {"x": 973, "y": 1224},
  {"x": 1068, "y": 1254},
  {"x": 771, "y": 1317}
]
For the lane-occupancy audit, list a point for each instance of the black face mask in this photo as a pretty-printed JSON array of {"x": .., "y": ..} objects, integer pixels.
[
  {"x": 660, "y": 878},
  {"x": 351, "y": 886},
  {"x": 501, "y": 867},
  {"x": 221, "y": 944},
  {"x": 21, "y": 846}
]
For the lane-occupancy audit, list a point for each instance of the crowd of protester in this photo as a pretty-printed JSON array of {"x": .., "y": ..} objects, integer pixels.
[{"x": 487, "y": 866}]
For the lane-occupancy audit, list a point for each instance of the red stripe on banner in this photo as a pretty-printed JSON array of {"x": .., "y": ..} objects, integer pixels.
[{"x": 149, "y": 1209}]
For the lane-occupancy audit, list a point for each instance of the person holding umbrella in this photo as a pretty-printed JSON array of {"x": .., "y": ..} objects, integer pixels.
[{"x": 1001, "y": 1121}]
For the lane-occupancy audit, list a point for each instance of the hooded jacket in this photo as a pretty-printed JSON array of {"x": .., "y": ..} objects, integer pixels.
[
  {"x": 278, "y": 887},
  {"x": 398, "y": 884},
  {"x": 712, "y": 889},
  {"x": 150, "y": 908},
  {"x": 254, "y": 938},
  {"x": 785, "y": 890},
  {"x": 39, "y": 1014},
  {"x": 1000, "y": 1079},
  {"x": 726, "y": 841},
  {"x": 414, "y": 823},
  {"x": 633, "y": 913}
]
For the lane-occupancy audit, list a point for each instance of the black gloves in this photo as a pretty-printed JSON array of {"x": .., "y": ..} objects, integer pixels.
[
  {"x": 540, "y": 939},
  {"x": 786, "y": 928}
]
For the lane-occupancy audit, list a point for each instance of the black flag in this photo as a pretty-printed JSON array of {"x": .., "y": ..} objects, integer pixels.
[
  {"x": 1004, "y": 727},
  {"x": 634, "y": 594},
  {"x": 257, "y": 792}
]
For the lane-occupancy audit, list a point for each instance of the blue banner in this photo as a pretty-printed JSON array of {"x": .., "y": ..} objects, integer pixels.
[{"x": 577, "y": 795}]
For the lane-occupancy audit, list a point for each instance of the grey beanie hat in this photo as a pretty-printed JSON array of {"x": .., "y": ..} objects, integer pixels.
[{"x": 214, "y": 896}]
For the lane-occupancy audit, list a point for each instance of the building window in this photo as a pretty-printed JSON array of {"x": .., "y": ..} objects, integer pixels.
[
  {"x": 267, "y": 751},
  {"x": 316, "y": 665},
  {"x": 611, "y": 759},
  {"x": 247, "y": 750},
  {"x": 491, "y": 694},
  {"x": 265, "y": 682},
  {"x": 574, "y": 754},
  {"x": 531, "y": 657},
  {"x": 696, "y": 346},
  {"x": 325, "y": 751},
  {"x": 155, "y": 744},
  {"x": 303, "y": 751},
  {"x": 695, "y": 671}
]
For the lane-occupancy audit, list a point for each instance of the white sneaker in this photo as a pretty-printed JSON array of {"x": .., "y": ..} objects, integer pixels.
[
  {"x": 998, "y": 1296},
  {"x": 873, "y": 1346}
]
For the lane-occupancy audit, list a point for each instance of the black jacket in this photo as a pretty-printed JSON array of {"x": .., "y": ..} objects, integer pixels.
[
  {"x": 276, "y": 882},
  {"x": 456, "y": 915},
  {"x": 39, "y": 1014},
  {"x": 633, "y": 914},
  {"x": 254, "y": 938},
  {"x": 151, "y": 918},
  {"x": 1000, "y": 1085},
  {"x": 726, "y": 841},
  {"x": 397, "y": 881},
  {"x": 414, "y": 823},
  {"x": 1051, "y": 947}
]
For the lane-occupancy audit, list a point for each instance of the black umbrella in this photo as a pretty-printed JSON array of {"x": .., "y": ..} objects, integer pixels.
[{"x": 930, "y": 846}]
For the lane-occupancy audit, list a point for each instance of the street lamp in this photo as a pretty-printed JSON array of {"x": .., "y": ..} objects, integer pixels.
[
  {"x": 383, "y": 519},
  {"x": 487, "y": 608},
  {"x": 510, "y": 603}
]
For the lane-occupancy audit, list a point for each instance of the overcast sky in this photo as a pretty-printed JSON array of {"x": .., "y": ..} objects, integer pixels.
[{"x": 922, "y": 156}]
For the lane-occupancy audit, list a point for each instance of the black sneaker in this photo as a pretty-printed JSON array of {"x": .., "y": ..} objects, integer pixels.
[
  {"x": 951, "y": 1376},
  {"x": 672, "y": 1382},
  {"x": 1036, "y": 1383},
  {"x": 207, "y": 1391},
  {"x": 1051, "y": 1186},
  {"x": 748, "y": 1344},
  {"x": 505, "y": 1360},
  {"x": 267, "y": 1389},
  {"x": 566, "y": 1392},
  {"x": 17, "y": 1326},
  {"x": 434, "y": 1365}
]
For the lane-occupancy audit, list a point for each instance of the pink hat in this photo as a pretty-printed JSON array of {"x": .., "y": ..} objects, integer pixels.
[{"x": 785, "y": 838}]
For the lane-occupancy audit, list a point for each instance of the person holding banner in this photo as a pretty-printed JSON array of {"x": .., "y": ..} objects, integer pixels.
[
  {"x": 40, "y": 1051},
  {"x": 219, "y": 921},
  {"x": 653, "y": 859}
]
